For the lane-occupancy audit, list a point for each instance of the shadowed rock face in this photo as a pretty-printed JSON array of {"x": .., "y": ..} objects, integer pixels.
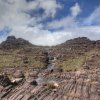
[
  {"x": 4, "y": 80},
  {"x": 13, "y": 43}
]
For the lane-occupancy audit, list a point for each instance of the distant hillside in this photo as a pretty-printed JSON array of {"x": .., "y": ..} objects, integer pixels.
[
  {"x": 70, "y": 55},
  {"x": 73, "y": 53},
  {"x": 16, "y": 52},
  {"x": 14, "y": 43}
]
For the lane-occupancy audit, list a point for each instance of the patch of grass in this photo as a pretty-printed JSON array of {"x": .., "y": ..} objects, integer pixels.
[
  {"x": 76, "y": 62},
  {"x": 12, "y": 59},
  {"x": 72, "y": 64}
]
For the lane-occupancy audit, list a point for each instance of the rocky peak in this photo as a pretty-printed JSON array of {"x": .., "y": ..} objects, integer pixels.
[
  {"x": 14, "y": 43},
  {"x": 79, "y": 40},
  {"x": 11, "y": 38}
]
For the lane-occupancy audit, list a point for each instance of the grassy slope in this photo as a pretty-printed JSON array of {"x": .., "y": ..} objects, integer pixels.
[
  {"x": 12, "y": 58},
  {"x": 76, "y": 62}
]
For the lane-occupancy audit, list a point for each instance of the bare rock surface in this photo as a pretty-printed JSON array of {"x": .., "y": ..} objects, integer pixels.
[{"x": 83, "y": 84}]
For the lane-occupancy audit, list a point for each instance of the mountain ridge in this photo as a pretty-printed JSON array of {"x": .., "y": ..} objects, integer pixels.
[
  {"x": 15, "y": 43},
  {"x": 11, "y": 41}
]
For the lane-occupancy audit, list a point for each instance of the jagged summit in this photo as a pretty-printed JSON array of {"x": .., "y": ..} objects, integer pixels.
[{"x": 14, "y": 43}]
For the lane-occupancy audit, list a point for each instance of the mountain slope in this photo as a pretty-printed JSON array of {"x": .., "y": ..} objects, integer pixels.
[
  {"x": 70, "y": 71},
  {"x": 70, "y": 55},
  {"x": 16, "y": 52},
  {"x": 73, "y": 53},
  {"x": 13, "y": 43}
]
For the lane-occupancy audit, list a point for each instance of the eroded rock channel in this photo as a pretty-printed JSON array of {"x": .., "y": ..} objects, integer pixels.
[{"x": 53, "y": 83}]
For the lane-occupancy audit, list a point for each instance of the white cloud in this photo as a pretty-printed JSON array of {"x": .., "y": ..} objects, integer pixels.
[
  {"x": 70, "y": 24},
  {"x": 66, "y": 22},
  {"x": 45, "y": 37},
  {"x": 12, "y": 12},
  {"x": 75, "y": 10},
  {"x": 41, "y": 37},
  {"x": 94, "y": 17},
  {"x": 50, "y": 7},
  {"x": 92, "y": 32},
  {"x": 12, "y": 15}
]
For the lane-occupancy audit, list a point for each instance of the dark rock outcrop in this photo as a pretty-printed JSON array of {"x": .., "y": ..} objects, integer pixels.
[
  {"x": 4, "y": 80},
  {"x": 13, "y": 43}
]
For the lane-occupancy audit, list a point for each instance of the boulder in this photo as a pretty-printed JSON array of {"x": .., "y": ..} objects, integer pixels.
[
  {"x": 31, "y": 81},
  {"x": 33, "y": 74},
  {"x": 53, "y": 84},
  {"x": 18, "y": 74}
]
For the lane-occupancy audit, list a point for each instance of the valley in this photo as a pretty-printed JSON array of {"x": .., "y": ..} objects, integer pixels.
[{"x": 69, "y": 71}]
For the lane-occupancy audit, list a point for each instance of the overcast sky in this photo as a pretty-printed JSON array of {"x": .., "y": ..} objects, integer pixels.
[{"x": 49, "y": 22}]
